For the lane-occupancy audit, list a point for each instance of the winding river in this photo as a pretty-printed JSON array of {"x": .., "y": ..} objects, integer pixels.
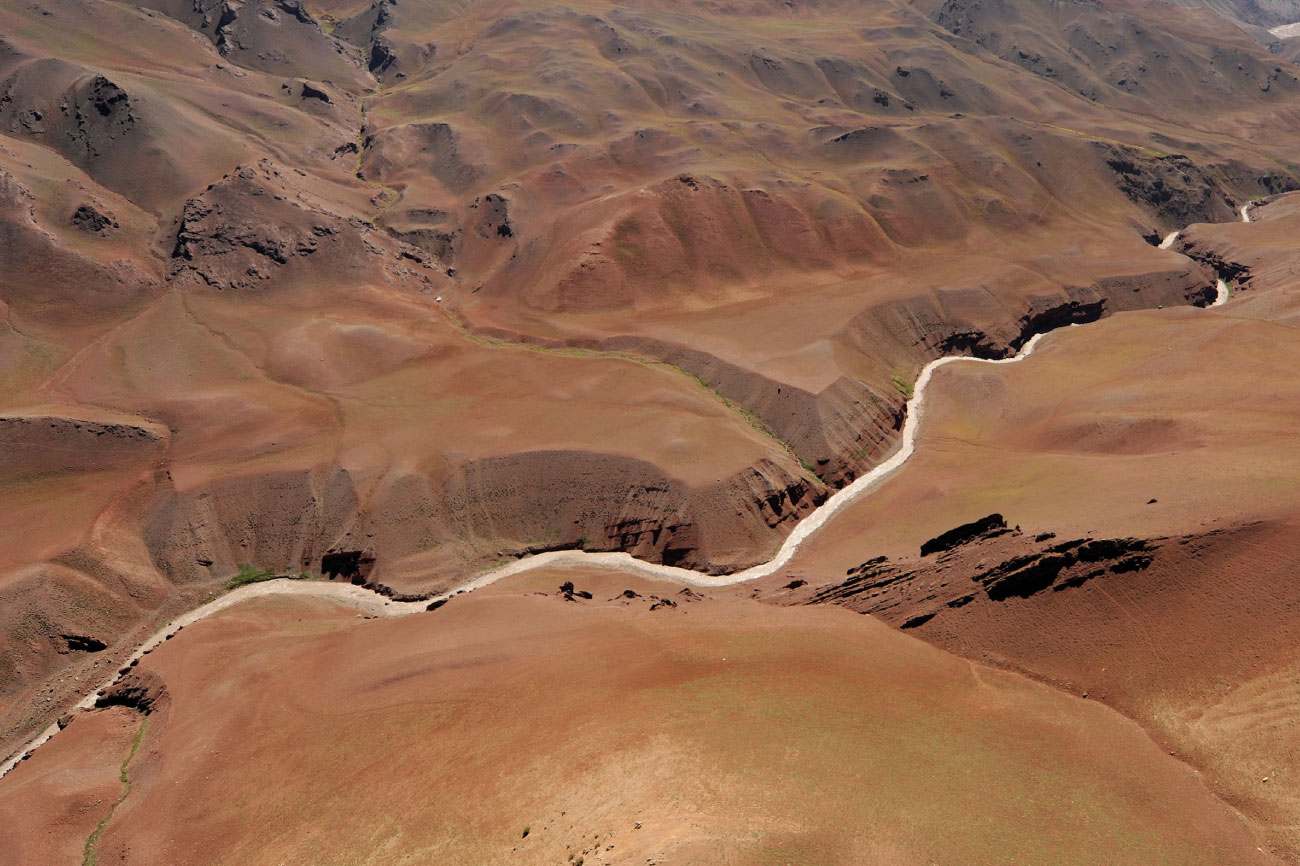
[{"x": 374, "y": 603}]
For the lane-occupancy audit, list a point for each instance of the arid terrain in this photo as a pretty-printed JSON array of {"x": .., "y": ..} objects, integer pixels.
[{"x": 398, "y": 294}]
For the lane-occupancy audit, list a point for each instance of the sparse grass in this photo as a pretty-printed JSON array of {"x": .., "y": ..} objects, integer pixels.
[
  {"x": 386, "y": 195},
  {"x": 750, "y": 417},
  {"x": 1292, "y": 170},
  {"x": 629, "y": 253},
  {"x": 1150, "y": 151},
  {"x": 89, "y": 855},
  {"x": 251, "y": 574},
  {"x": 327, "y": 22},
  {"x": 901, "y": 384}
]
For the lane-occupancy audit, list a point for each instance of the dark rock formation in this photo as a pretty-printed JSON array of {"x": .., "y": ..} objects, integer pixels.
[
  {"x": 89, "y": 121},
  {"x": 912, "y": 593},
  {"x": 1176, "y": 189},
  {"x": 1025, "y": 576},
  {"x": 1216, "y": 261},
  {"x": 963, "y": 534},
  {"x": 351, "y": 565},
  {"x": 243, "y": 231},
  {"x": 568, "y": 593},
  {"x": 438, "y": 243},
  {"x": 1072, "y": 312},
  {"x": 78, "y": 643},
  {"x": 493, "y": 216},
  {"x": 601, "y": 502},
  {"x": 86, "y": 218},
  {"x": 142, "y": 691},
  {"x": 311, "y": 91}
]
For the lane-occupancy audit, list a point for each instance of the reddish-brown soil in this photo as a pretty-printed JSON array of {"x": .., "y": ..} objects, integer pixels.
[
  {"x": 47, "y": 815},
  {"x": 514, "y": 724},
  {"x": 1145, "y": 470}
]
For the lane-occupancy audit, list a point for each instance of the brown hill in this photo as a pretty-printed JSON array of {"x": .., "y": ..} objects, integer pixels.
[{"x": 521, "y": 725}]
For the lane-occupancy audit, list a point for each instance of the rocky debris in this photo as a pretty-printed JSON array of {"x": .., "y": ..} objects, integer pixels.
[
  {"x": 78, "y": 643},
  {"x": 602, "y": 502},
  {"x": 436, "y": 242},
  {"x": 142, "y": 691},
  {"x": 534, "y": 549},
  {"x": 101, "y": 110},
  {"x": 675, "y": 541},
  {"x": 434, "y": 605},
  {"x": 91, "y": 117},
  {"x": 1024, "y": 576},
  {"x": 493, "y": 217},
  {"x": 568, "y": 593},
  {"x": 311, "y": 91},
  {"x": 435, "y": 148},
  {"x": 964, "y": 534},
  {"x": 383, "y": 56},
  {"x": 1215, "y": 260},
  {"x": 1072, "y": 312},
  {"x": 315, "y": 98},
  {"x": 388, "y": 592},
  {"x": 243, "y": 230},
  {"x": 911, "y": 593},
  {"x": 918, "y": 620},
  {"x": 48, "y": 443},
  {"x": 15, "y": 198},
  {"x": 88, "y": 219},
  {"x": 1178, "y": 190},
  {"x": 275, "y": 36},
  {"x": 684, "y": 596},
  {"x": 655, "y": 602}
]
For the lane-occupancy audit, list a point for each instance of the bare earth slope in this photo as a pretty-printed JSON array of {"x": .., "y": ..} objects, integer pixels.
[{"x": 537, "y": 728}]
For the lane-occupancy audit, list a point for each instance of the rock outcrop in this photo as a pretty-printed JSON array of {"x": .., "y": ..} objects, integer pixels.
[
  {"x": 952, "y": 572},
  {"x": 142, "y": 691},
  {"x": 600, "y": 502}
]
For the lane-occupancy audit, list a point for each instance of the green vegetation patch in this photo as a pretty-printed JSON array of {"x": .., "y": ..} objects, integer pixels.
[
  {"x": 252, "y": 574},
  {"x": 89, "y": 855},
  {"x": 901, "y": 383}
]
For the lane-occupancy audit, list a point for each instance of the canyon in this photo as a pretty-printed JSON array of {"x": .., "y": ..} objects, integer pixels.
[{"x": 720, "y": 319}]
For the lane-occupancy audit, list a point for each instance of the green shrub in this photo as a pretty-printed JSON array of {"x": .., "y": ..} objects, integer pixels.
[{"x": 250, "y": 574}]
